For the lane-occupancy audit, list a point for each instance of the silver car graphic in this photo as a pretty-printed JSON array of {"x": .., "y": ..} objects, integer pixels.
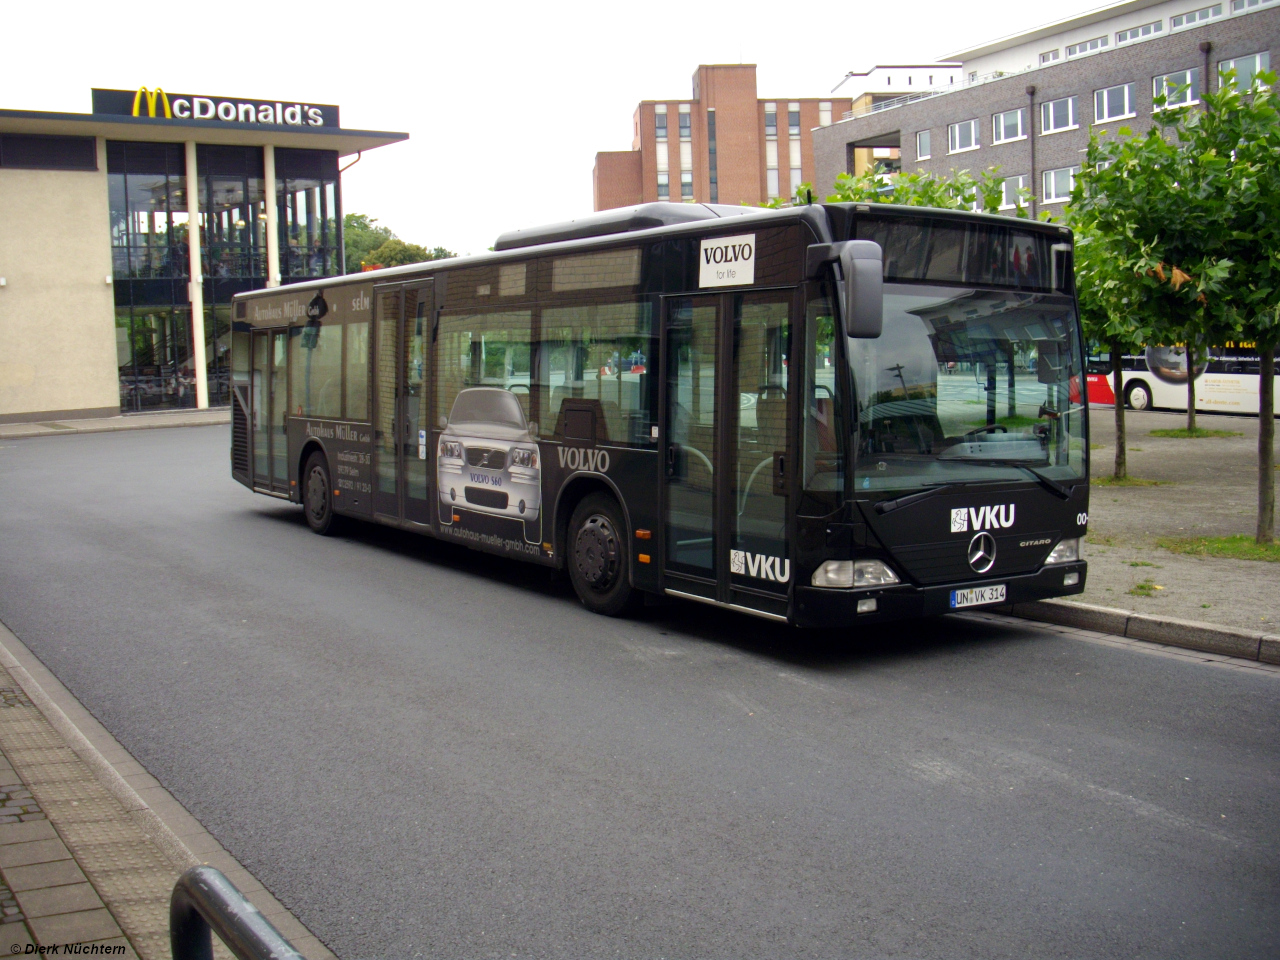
[{"x": 488, "y": 458}]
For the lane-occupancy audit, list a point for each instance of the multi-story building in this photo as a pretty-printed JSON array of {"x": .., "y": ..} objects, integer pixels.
[
  {"x": 126, "y": 231},
  {"x": 1028, "y": 103},
  {"x": 724, "y": 145}
]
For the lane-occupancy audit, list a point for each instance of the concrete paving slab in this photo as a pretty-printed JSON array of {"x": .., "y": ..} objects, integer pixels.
[
  {"x": 75, "y": 927},
  {"x": 40, "y": 875}
]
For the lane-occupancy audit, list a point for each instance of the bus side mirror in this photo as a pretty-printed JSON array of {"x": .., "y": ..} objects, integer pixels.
[
  {"x": 862, "y": 272},
  {"x": 862, "y": 263}
]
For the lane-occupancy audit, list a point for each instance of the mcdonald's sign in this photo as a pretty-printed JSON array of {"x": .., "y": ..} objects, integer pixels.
[
  {"x": 150, "y": 98},
  {"x": 157, "y": 104}
]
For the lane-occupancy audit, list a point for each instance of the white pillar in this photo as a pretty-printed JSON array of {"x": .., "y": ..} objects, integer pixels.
[
  {"x": 273, "y": 226},
  {"x": 196, "y": 286}
]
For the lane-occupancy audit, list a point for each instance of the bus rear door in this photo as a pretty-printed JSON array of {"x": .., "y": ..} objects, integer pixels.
[{"x": 403, "y": 315}]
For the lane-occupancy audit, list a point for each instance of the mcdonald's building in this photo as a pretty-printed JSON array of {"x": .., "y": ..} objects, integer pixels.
[{"x": 110, "y": 302}]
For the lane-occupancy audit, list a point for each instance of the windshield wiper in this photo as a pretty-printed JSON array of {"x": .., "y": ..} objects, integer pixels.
[
  {"x": 1053, "y": 486},
  {"x": 887, "y": 506}
]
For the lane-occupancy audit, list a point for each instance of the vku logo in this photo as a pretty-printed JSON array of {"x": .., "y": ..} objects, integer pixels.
[
  {"x": 576, "y": 458},
  {"x": 964, "y": 519},
  {"x": 760, "y": 566}
]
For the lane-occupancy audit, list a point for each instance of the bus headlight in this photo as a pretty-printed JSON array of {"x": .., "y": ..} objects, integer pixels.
[
  {"x": 1067, "y": 551},
  {"x": 853, "y": 573}
]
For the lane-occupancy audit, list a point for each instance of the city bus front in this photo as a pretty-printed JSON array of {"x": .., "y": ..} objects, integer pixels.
[{"x": 967, "y": 473}]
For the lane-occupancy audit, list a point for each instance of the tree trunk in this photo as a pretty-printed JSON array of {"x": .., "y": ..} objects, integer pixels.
[
  {"x": 1191, "y": 390},
  {"x": 1266, "y": 443},
  {"x": 1117, "y": 387}
]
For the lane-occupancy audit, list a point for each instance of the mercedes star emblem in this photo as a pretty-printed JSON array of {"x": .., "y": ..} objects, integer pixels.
[{"x": 982, "y": 552}]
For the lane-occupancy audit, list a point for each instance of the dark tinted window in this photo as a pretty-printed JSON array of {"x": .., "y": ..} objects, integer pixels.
[
  {"x": 48, "y": 153},
  {"x": 917, "y": 249}
]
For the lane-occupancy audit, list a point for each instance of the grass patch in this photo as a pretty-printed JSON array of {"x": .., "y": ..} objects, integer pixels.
[
  {"x": 1182, "y": 433},
  {"x": 1239, "y": 547},
  {"x": 1144, "y": 563},
  {"x": 1100, "y": 538},
  {"x": 1125, "y": 482},
  {"x": 1145, "y": 589}
]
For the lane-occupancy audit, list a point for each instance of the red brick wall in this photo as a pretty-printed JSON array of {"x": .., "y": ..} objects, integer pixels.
[{"x": 616, "y": 179}]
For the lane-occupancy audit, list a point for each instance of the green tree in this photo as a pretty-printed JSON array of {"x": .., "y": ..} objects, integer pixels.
[
  {"x": 1110, "y": 316},
  {"x": 1189, "y": 211},
  {"x": 394, "y": 252},
  {"x": 961, "y": 191},
  {"x": 361, "y": 235}
]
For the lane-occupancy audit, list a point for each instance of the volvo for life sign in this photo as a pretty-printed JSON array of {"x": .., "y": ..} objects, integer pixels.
[
  {"x": 157, "y": 104},
  {"x": 727, "y": 261}
]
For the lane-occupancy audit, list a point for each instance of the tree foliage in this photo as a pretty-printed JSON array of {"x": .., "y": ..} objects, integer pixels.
[
  {"x": 1189, "y": 214},
  {"x": 368, "y": 244}
]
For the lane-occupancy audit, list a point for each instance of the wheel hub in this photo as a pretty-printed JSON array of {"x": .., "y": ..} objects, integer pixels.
[
  {"x": 596, "y": 553},
  {"x": 316, "y": 494}
]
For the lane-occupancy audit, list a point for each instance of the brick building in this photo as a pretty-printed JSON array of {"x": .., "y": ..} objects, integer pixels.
[
  {"x": 724, "y": 145},
  {"x": 1028, "y": 103}
]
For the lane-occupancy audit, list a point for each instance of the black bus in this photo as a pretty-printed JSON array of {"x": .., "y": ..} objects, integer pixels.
[{"x": 815, "y": 415}]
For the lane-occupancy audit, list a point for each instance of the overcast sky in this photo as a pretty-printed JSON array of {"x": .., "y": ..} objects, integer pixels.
[{"x": 505, "y": 104}]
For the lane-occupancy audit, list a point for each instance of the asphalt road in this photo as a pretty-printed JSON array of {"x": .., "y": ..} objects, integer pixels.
[{"x": 423, "y": 751}]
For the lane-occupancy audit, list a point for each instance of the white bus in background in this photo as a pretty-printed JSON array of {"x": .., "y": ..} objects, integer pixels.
[{"x": 1226, "y": 381}]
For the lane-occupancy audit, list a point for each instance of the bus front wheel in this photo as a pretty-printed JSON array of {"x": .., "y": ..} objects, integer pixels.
[
  {"x": 317, "y": 495},
  {"x": 1138, "y": 396},
  {"x": 599, "y": 556}
]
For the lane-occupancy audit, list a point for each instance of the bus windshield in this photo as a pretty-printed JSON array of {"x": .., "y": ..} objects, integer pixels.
[{"x": 968, "y": 385}]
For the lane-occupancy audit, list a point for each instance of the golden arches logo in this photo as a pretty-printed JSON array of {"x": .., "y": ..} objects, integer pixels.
[{"x": 151, "y": 98}]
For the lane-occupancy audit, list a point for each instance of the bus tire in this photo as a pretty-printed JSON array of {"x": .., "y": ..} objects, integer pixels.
[
  {"x": 1138, "y": 396},
  {"x": 599, "y": 556},
  {"x": 317, "y": 496}
]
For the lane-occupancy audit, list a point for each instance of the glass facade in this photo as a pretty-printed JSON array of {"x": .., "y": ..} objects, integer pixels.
[{"x": 147, "y": 186}]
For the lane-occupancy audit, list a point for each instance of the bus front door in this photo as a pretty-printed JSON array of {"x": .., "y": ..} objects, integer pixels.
[
  {"x": 402, "y": 489},
  {"x": 729, "y": 446}
]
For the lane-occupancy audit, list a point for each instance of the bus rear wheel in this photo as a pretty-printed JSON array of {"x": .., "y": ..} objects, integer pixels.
[
  {"x": 1138, "y": 396},
  {"x": 599, "y": 556},
  {"x": 317, "y": 496}
]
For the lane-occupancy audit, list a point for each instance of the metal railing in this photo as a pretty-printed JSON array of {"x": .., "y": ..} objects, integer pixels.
[
  {"x": 926, "y": 94},
  {"x": 206, "y": 902}
]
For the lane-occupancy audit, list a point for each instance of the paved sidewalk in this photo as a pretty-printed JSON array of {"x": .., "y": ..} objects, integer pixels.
[
  {"x": 132, "y": 421},
  {"x": 90, "y": 844}
]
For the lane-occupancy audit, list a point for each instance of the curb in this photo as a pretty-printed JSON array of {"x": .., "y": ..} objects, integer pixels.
[
  {"x": 63, "y": 428},
  {"x": 1191, "y": 634}
]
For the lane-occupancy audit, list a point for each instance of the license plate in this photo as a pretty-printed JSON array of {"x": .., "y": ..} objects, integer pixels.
[{"x": 976, "y": 596}]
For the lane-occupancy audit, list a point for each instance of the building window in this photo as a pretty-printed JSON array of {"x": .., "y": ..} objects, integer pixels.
[
  {"x": 770, "y": 119},
  {"x": 1113, "y": 103},
  {"x": 923, "y": 151},
  {"x": 1011, "y": 194},
  {"x": 660, "y": 120},
  {"x": 1010, "y": 125},
  {"x": 771, "y": 165},
  {"x": 663, "y": 156},
  {"x": 962, "y": 136},
  {"x": 793, "y": 120},
  {"x": 1137, "y": 33},
  {"x": 685, "y": 126},
  {"x": 1058, "y": 115},
  {"x": 1238, "y": 5},
  {"x": 308, "y": 213},
  {"x": 1086, "y": 46},
  {"x": 824, "y": 113},
  {"x": 772, "y": 177},
  {"x": 686, "y": 184},
  {"x": 1178, "y": 89},
  {"x": 1058, "y": 184},
  {"x": 1245, "y": 67},
  {"x": 664, "y": 186},
  {"x": 1049, "y": 56},
  {"x": 1195, "y": 16},
  {"x": 711, "y": 154}
]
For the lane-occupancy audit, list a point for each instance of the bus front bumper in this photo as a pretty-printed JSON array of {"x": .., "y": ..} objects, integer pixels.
[{"x": 826, "y": 607}]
